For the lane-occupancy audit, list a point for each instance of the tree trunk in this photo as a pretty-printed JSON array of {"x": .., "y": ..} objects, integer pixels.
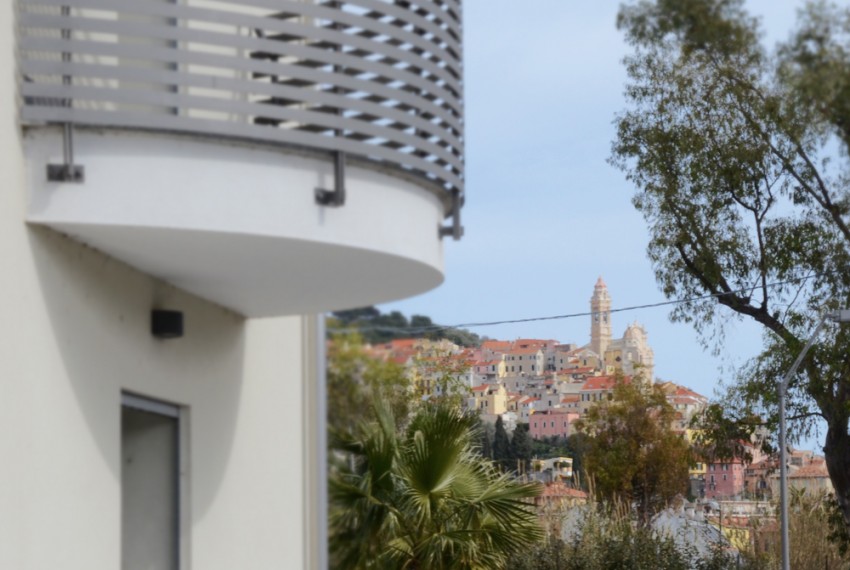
[{"x": 837, "y": 453}]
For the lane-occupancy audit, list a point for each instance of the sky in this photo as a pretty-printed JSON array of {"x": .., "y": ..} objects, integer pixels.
[{"x": 545, "y": 214}]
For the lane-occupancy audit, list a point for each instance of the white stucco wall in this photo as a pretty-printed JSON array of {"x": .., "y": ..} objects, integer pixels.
[
  {"x": 75, "y": 333},
  {"x": 81, "y": 336}
]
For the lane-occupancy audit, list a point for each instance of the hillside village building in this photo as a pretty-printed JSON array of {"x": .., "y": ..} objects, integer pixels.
[
  {"x": 726, "y": 478},
  {"x": 186, "y": 186},
  {"x": 552, "y": 423}
]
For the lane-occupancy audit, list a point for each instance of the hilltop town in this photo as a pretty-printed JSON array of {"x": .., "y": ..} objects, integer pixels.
[
  {"x": 549, "y": 384},
  {"x": 543, "y": 382}
]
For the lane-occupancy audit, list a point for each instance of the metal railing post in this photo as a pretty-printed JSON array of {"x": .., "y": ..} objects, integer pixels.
[{"x": 67, "y": 171}]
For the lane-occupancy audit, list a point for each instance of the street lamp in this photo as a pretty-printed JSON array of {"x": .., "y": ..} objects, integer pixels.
[{"x": 842, "y": 316}]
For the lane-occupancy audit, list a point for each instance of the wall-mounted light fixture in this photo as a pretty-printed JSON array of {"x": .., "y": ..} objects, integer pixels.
[{"x": 166, "y": 324}]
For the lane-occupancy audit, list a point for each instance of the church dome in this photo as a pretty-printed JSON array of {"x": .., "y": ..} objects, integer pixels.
[{"x": 635, "y": 331}]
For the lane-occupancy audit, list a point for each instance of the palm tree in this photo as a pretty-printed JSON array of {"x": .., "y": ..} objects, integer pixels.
[{"x": 425, "y": 498}]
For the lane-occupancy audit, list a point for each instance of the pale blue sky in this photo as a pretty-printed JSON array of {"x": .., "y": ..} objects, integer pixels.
[{"x": 545, "y": 214}]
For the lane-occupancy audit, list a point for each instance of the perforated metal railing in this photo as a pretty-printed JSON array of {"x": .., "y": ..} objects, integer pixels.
[{"x": 378, "y": 79}]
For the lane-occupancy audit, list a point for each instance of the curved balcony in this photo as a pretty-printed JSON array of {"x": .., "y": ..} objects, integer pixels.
[{"x": 234, "y": 114}]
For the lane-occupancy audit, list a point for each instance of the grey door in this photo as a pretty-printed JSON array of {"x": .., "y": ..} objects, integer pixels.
[{"x": 149, "y": 485}]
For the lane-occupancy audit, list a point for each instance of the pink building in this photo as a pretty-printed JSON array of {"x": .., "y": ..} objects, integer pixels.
[
  {"x": 724, "y": 480},
  {"x": 554, "y": 422}
]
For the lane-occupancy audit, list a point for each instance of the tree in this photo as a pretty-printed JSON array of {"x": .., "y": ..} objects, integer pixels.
[
  {"x": 502, "y": 446},
  {"x": 574, "y": 446},
  {"x": 486, "y": 432},
  {"x": 632, "y": 454},
  {"x": 521, "y": 448},
  {"x": 355, "y": 379},
  {"x": 376, "y": 327},
  {"x": 424, "y": 498},
  {"x": 442, "y": 376},
  {"x": 740, "y": 159}
]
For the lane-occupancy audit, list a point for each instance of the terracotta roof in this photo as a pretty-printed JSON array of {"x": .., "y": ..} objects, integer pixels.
[
  {"x": 813, "y": 470},
  {"x": 534, "y": 342},
  {"x": 583, "y": 370},
  {"x": 524, "y": 351},
  {"x": 481, "y": 388},
  {"x": 602, "y": 382},
  {"x": 496, "y": 345},
  {"x": 556, "y": 411}
]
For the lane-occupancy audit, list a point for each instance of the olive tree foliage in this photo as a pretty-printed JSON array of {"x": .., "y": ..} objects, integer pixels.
[{"x": 739, "y": 157}]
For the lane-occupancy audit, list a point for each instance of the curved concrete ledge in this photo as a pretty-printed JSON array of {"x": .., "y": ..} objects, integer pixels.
[{"x": 239, "y": 225}]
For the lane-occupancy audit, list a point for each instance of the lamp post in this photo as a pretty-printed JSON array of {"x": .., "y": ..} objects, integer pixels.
[{"x": 842, "y": 316}]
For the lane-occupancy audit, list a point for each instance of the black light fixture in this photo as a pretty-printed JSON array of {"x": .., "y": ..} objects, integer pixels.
[{"x": 166, "y": 324}]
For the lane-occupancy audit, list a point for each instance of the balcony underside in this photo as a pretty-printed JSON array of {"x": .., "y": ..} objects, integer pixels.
[{"x": 239, "y": 225}]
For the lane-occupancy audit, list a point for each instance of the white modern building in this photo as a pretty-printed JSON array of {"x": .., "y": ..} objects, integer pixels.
[{"x": 186, "y": 184}]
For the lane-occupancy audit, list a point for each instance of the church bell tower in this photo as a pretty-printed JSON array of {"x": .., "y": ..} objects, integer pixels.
[{"x": 600, "y": 319}]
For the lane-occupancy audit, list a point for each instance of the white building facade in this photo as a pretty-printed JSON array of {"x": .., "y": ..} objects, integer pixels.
[{"x": 186, "y": 184}]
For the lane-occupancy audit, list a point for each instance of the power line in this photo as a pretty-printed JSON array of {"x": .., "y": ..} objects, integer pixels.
[{"x": 438, "y": 328}]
